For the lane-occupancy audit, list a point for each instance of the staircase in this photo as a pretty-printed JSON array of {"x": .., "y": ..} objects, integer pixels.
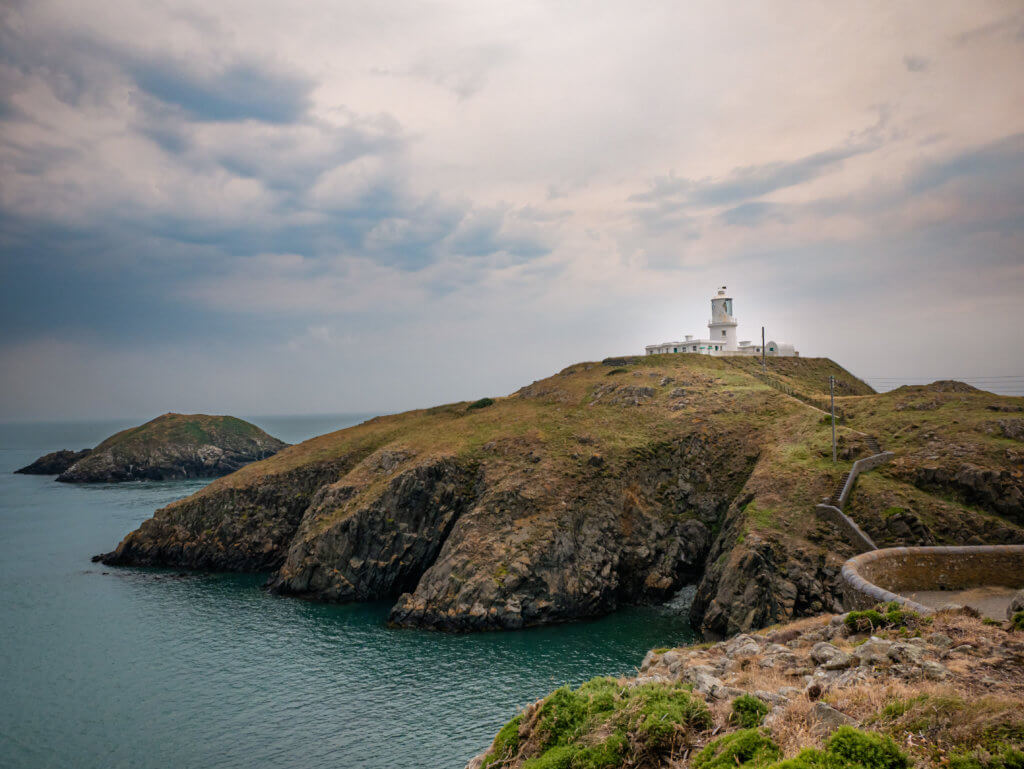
[
  {"x": 874, "y": 448},
  {"x": 834, "y": 499}
]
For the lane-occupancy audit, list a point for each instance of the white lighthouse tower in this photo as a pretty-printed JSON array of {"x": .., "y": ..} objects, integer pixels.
[
  {"x": 722, "y": 326},
  {"x": 722, "y": 330}
]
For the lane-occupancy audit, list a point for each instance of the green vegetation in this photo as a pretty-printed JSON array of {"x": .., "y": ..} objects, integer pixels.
[
  {"x": 980, "y": 733},
  {"x": 748, "y": 748},
  {"x": 885, "y": 616},
  {"x": 748, "y": 711},
  {"x": 1017, "y": 620},
  {"x": 505, "y": 744},
  {"x": 597, "y": 725},
  {"x": 850, "y": 748},
  {"x": 480, "y": 404},
  {"x": 847, "y": 748}
]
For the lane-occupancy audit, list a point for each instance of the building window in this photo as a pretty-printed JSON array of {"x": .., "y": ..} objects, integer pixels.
[
  {"x": 723, "y": 332},
  {"x": 675, "y": 349},
  {"x": 771, "y": 349}
]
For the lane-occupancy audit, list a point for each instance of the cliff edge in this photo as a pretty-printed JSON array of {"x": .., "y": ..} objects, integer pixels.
[{"x": 606, "y": 484}]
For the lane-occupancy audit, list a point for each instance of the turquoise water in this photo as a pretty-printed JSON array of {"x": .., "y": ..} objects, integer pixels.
[{"x": 137, "y": 668}]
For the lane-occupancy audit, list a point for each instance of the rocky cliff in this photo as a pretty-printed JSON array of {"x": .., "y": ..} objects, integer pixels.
[
  {"x": 606, "y": 484},
  {"x": 54, "y": 463},
  {"x": 174, "y": 446}
]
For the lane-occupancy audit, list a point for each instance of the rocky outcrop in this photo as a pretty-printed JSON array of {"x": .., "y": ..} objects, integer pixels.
[
  {"x": 350, "y": 548},
  {"x": 228, "y": 528},
  {"x": 760, "y": 582},
  {"x": 999, "y": 490},
  {"x": 813, "y": 684},
  {"x": 54, "y": 463},
  {"x": 174, "y": 446}
]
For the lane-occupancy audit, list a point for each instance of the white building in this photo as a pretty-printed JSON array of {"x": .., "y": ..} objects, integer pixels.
[{"x": 722, "y": 337}]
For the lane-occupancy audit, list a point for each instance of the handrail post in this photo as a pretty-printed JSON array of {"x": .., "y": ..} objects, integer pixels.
[{"x": 832, "y": 396}]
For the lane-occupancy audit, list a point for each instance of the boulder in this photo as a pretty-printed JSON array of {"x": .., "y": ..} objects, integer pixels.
[
  {"x": 874, "y": 652},
  {"x": 906, "y": 653},
  {"x": 1016, "y": 604},
  {"x": 830, "y": 657},
  {"x": 825, "y": 719}
]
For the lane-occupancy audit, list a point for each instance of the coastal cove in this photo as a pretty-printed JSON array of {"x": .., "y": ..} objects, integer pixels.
[{"x": 112, "y": 667}]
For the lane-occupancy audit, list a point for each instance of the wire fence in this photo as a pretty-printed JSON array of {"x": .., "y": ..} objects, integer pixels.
[{"x": 1000, "y": 384}]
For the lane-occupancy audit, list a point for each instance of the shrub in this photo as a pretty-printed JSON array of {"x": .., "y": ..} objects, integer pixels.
[
  {"x": 480, "y": 404},
  {"x": 617, "y": 371},
  {"x": 870, "y": 750},
  {"x": 646, "y": 719},
  {"x": 894, "y": 616},
  {"x": 657, "y": 711},
  {"x": 850, "y": 748},
  {"x": 1004, "y": 758},
  {"x": 505, "y": 744},
  {"x": 1017, "y": 620},
  {"x": 748, "y": 711},
  {"x": 747, "y": 747}
]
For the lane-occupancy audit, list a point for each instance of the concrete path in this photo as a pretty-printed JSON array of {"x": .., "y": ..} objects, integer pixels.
[{"x": 990, "y": 601}]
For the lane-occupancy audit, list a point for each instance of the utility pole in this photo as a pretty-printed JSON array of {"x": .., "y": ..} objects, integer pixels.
[
  {"x": 763, "y": 365},
  {"x": 832, "y": 396}
]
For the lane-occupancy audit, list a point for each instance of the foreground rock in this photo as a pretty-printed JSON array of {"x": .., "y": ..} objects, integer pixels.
[
  {"x": 605, "y": 485},
  {"x": 55, "y": 463},
  {"x": 939, "y": 691},
  {"x": 174, "y": 446}
]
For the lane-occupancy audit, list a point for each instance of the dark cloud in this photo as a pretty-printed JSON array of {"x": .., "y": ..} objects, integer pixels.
[
  {"x": 915, "y": 63},
  {"x": 753, "y": 214},
  {"x": 997, "y": 163},
  {"x": 242, "y": 90},
  {"x": 751, "y": 181}
]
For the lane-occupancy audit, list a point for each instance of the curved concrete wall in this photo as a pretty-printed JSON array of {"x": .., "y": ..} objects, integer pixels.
[{"x": 879, "y": 576}]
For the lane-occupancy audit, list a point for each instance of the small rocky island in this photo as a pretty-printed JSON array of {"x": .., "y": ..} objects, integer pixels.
[{"x": 172, "y": 446}]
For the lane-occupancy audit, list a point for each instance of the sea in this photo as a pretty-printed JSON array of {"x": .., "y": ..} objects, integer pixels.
[{"x": 106, "y": 667}]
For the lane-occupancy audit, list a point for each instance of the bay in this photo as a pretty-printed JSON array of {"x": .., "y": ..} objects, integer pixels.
[{"x": 105, "y": 667}]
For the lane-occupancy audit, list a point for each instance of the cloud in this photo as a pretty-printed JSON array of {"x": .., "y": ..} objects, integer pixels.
[
  {"x": 241, "y": 90},
  {"x": 915, "y": 63},
  {"x": 275, "y": 200},
  {"x": 754, "y": 181},
  {"x": 1001, "y": 160}
]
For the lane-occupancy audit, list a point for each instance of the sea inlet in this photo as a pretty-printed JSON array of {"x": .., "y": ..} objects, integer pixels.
[{"x": 106, "y": 667}]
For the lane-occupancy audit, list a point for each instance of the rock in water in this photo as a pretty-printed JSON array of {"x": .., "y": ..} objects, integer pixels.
[
  {"x": 174, "y": 446},
  {"x": 55, "y": 463}
]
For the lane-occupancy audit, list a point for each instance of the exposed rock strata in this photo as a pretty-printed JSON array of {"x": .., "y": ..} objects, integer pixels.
[
  {"x": 54, "y": 463},
  {"x": 244, "y": 529}
]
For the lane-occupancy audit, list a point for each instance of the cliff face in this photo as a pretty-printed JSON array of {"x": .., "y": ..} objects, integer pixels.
[
  {"x": 54, "y": 463},
  {"x": 244, "y": 529},
  {"x": 603, "y": 485},
  {"x": 174, "y": 446}
]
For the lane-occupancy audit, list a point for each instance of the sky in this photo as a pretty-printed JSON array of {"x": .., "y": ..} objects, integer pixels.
[{"x": 256, "y": 207}]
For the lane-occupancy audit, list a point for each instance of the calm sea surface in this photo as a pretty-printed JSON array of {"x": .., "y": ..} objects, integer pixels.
[{"x": 103, "y": 667}]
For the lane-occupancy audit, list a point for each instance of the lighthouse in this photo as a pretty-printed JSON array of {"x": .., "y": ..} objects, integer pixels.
[
  {"x": 722, "y": 333},
  {"x": 722, "y": 326}
]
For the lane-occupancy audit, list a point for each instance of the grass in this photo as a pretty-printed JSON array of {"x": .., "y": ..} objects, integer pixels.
[{"x": 600, "y": 724}]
